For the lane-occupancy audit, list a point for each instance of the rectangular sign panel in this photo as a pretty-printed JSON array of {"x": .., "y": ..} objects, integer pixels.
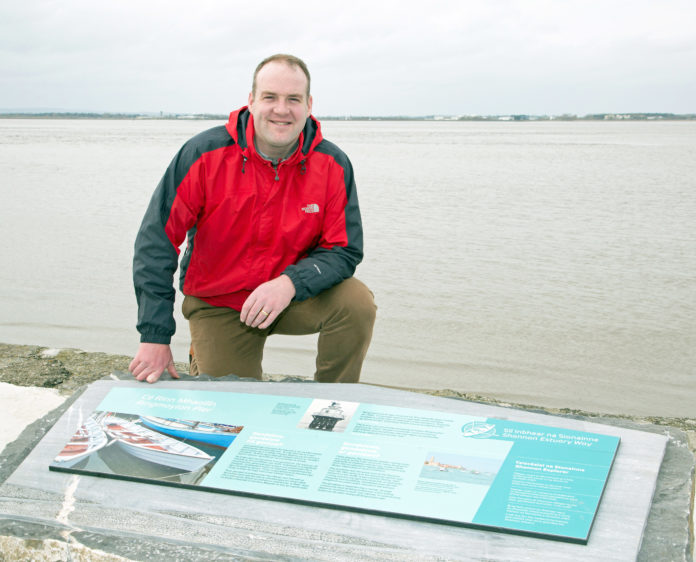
[{"x": 421, "y": 464}]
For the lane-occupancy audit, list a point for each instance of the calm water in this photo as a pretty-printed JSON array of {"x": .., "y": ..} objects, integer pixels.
[{"x": 549, "y": 263}]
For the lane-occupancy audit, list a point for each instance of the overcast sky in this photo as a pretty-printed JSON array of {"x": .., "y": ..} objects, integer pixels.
[{"x": 373, "y": 57}]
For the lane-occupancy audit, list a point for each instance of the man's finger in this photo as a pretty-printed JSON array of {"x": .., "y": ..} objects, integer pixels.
[
  {"x": 172, "y": 370},
  {"x": 261, "y": 317},
  {"x": 135, "y": 369},
  {"x": 139, "y": 369},
  {"x": 251, "y": 317},
  {"x": 255, "y": 316},
  {"x": 154, "y": 377},
  {"x": 248, "y": 306},
  {"x": 268, "y": 320}
]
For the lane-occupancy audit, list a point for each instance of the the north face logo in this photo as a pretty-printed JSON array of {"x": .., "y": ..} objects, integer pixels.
[{"x": 311, "y": 208}]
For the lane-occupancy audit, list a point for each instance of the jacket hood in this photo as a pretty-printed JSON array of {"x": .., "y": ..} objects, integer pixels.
[{"x": 240, "y": 127}]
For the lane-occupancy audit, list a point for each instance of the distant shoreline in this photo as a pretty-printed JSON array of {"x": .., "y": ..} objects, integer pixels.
[{"x": 502, "y": 117}]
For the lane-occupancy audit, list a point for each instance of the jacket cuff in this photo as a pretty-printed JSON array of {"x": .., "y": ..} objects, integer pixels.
[
  {"x": 155, "y": 338},
  {"x": 301, "y": 292}
]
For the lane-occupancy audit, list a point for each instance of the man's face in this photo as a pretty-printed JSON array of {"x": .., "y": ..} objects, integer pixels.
[{"x": 280, "y": 107}]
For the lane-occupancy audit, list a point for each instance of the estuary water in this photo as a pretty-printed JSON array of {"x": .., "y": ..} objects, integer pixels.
[{"x": 546, "y": 263}]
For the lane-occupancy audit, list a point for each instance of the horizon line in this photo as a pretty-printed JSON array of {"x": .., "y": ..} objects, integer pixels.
[{"x": 10, "y": 113}]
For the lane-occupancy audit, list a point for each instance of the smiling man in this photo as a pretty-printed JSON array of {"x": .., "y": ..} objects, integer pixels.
[{"x": 270, "y": 213}]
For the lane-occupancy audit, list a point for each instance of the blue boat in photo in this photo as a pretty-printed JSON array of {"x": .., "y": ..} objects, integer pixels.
[{"x": 217, "y": 434}]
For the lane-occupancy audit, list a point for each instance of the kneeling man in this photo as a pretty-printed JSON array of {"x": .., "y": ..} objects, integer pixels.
[{"x": 270, "y": 213}]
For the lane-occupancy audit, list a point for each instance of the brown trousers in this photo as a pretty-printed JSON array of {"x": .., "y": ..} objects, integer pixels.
[{"x": 343, "y": 315}]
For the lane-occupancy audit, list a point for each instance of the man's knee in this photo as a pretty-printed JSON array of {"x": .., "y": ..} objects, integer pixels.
[{"x": 359, "y": 302}]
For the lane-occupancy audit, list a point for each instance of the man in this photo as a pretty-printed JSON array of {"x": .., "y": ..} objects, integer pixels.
[{"x": 274, "y": 237}]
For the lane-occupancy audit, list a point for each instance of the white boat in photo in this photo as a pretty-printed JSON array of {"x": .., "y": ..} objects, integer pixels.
[
  {"x": 88, "y": 439},
  {"x": 218, "y": 434},
  {"x": 154, "y": 447}
]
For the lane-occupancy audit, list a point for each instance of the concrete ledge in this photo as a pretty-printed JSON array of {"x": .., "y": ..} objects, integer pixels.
[{"x": 185, "y": 521}]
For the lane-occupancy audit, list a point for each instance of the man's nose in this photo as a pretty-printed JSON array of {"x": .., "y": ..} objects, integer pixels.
[{"x": 281, "y": 106}]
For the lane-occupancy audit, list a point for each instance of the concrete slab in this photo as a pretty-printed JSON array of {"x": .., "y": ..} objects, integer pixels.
[
  {"x": 15, "y": 413},
  {"x": 140, "y": 521}
]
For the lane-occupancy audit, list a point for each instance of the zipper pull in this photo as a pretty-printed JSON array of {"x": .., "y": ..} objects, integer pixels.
[{"x": 275, "y": 167}]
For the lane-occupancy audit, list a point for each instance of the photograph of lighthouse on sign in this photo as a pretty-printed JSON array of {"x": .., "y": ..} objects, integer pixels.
[
  {"x": 328, "y": 415},
  {"x": 463, "y": 469}
]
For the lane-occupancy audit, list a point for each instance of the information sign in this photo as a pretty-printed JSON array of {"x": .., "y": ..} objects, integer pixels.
[{"x": 420, "y": 464}]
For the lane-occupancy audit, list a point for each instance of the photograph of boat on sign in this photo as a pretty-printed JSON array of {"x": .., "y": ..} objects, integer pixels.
[
  {"x": 218, "y": 434},
  {"x": 154, "y": 447},
  {"x": 132, "y": 446},
  {"x": 89, "y": 438}
]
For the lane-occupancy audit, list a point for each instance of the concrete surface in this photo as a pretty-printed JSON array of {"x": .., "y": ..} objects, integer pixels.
[
  {"x": 21, "y": 405},
  {"x": 112, "y": 518}
]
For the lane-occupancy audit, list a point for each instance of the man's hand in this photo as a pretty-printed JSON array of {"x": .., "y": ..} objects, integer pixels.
[
  {"x": 151, "y": 361},
  {"x": 267, "y": 301}
]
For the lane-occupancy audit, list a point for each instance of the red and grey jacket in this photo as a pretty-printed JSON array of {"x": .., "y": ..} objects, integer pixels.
[{"x": 247, "y": 221}]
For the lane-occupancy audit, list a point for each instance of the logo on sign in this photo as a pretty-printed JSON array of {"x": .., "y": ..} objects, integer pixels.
[{"x": 478, "y": 430}]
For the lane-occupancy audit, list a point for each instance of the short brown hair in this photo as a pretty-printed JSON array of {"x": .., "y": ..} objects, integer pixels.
[{"x": 290, "y": 60}]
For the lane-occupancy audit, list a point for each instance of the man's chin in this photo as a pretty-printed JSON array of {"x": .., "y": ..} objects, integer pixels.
[{"x": 284, "y": 142}]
